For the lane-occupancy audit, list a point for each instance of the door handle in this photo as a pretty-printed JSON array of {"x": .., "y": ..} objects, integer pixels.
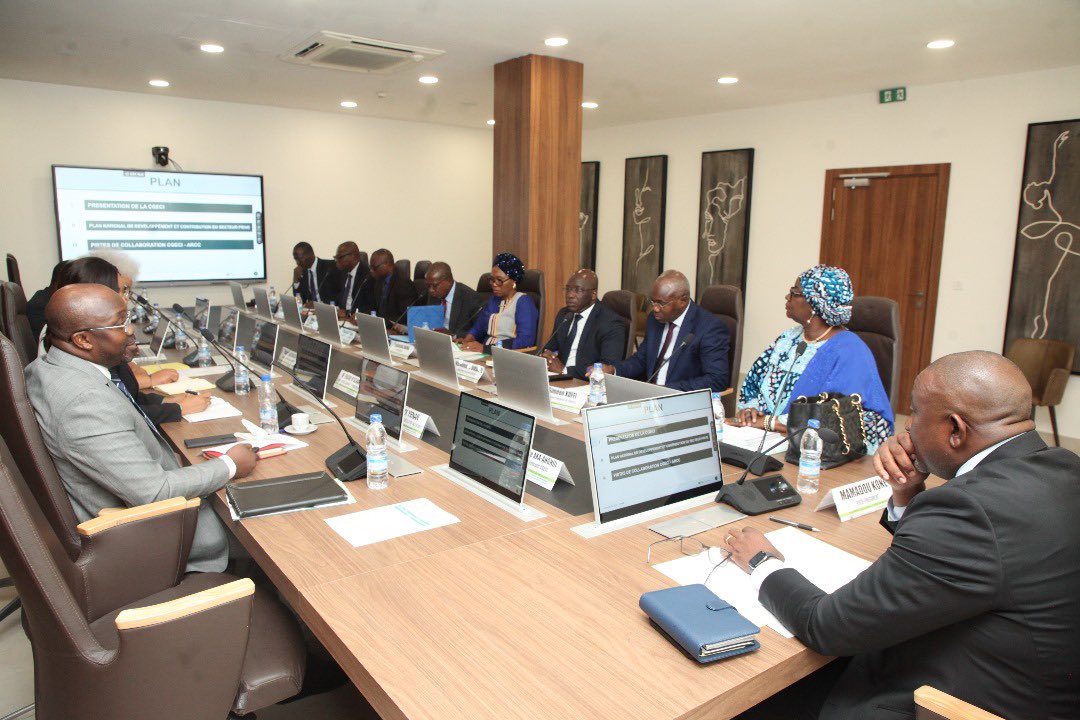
[{"x": 919, "y": 293}]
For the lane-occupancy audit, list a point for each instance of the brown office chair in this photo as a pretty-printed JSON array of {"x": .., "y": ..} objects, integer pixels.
[
  {"x": 13, "y": 270},
  {"x": 1046, "y": 365},
  {"x": 187, "y": 651},
  {"x": 402, "y": 267},
  {"x": 877, "y": 321},
  {"x": 15, "y": 323},
  {"x": 726, "y": 303},
  {"x": 932, "y": 704},
  {"x": 627, "y": 305}
]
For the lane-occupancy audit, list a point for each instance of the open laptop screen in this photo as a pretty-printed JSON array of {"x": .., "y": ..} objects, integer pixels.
[
  {"x": 492, "y": 445},
  {"x": 226, "y": 334},
  {"x": 202, "y": 313},
  {"x": 312, "y": 364},
  {"x": 384, "y": 390},
  {"x": 645, "y": 454},
  {"x": 264, "y": 343}
]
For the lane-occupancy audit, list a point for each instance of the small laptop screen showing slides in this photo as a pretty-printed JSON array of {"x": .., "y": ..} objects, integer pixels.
[
  {"x": 492, "y": 445},
  {"x": 226, "y": 334},
  {"x": 202, "y": 313},
  {"x": 264, "y": 343},
  {"x": 312, "y": 364},
  {"x": 645, "y": 454},
  {"x": 384, "y": 390}
]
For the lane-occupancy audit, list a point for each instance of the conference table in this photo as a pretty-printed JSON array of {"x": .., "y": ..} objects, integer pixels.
[{"x": 496, "y": 617}]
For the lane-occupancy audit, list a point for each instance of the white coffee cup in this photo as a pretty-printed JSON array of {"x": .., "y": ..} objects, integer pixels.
[{"x": 301, "y": 421}]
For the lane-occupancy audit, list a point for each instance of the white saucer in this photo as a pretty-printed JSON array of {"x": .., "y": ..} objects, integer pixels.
[{"x": 293, "y": 431}]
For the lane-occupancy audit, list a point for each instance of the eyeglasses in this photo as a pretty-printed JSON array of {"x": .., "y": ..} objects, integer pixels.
[
  {"x": 795, "y": 292},
  {"x": 500, "y": 281},
  {"x": 128, "y": 327},
  {"x": 342, "y": 256},
  {"x": 664, "y": 303},
  {"x": 692, "y": 547}
]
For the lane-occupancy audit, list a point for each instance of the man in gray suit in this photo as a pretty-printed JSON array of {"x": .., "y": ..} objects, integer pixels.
[{"x": 106, "y": 450}]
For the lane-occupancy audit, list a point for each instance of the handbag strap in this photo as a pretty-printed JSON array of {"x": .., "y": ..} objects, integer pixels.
[{"x": 856, "y": 404}]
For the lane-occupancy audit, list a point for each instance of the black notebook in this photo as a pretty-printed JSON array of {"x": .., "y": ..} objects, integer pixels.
[{"x": 291, "y": 492}]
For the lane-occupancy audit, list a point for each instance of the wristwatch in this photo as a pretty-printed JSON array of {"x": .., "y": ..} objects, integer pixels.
[{"x": 760, "y": 558}]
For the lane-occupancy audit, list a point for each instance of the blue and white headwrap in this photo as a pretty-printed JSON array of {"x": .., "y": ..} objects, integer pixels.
[
  {"x": 511, "y": 265},
  {"x": 829, "y": 292}
]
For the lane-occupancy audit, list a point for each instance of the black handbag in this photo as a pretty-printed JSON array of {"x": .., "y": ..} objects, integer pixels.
[{"x": 843, "y": 414}]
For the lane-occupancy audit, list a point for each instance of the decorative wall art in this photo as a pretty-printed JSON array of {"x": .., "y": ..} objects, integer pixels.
[
  {"x": 590, "y": 189},
  {"x": 1045, "y": 291},
  {"x": 643, "y": 222},
  {"x": 724, "y": 218}
]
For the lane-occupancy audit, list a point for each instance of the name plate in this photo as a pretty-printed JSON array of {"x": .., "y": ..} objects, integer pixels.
[
  {"x": 467, "y": 370},
  {"x": 858, "y": 498},
  {"x": 415, "y": 423},
  {"x": 569, "y": 399},
  {"x": 347, "y": 335},
  {"x": 545, "y": 470},
  {"x": 311, "y": 323},
  {"x": 401, "y": 349},
  {"x": 287, "y": 358},
  {"x": 347, "y": 383}
]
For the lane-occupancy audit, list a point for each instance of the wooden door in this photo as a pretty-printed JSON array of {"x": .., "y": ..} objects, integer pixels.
[{"x": 885, "y": 226}]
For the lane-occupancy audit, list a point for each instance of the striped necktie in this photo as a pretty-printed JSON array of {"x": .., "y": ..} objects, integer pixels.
[{"x": 123, "y": 389}]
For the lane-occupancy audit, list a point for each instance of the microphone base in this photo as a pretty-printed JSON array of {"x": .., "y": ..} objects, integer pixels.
[
  {"x": 192, "y": 358},
  {"x": 285, "y": 411},
  {"x": 348, "y": 463},
  {"x": 227, "y": 382},
  {"x": 755, "y": 497}
]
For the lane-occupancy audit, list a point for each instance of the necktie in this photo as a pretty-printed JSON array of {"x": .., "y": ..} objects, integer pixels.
[
  {"x": 446, "y": 312},
  {"x": 346, "y": 294},
  {"x": 313, "y": 285},
  {"x": 663, "y": 350},
  {"x": 572, "y": 334},
  {"x": 123, "y": 389}
]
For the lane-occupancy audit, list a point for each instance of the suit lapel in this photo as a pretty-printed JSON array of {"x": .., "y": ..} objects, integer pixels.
[{"x": 687, "y": 327}]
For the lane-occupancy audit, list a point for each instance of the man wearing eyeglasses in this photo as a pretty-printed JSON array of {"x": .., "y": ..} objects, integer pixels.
[
  {"x": 586, "y": 331},
  {"x": 685, "y": 347},
  {"x": 460, "y": 304},
  {"x": 314, "y": 278},
  {"x": 388, "y": 293},
  {"x": 355, "y": 274},
  {"x": 106, "y": 450}
]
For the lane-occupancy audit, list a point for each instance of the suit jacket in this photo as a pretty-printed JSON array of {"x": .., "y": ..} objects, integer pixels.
[
  {"x": 329, "y": 282},
  {"x": 603, "y": 339},
  {"x": 363, "y": 281},
  {"x": 701, "y": 364},
  {"x": 153, "y": 405},
  {"x": 401, "y": 295},
  {"x": 978, "y": 595},
  {"x": 463, "y": 310},
  {"x": 108, "y": 456}
]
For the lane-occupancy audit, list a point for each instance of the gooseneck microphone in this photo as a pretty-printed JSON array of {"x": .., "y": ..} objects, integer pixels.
[
  {"x": 347, "y": 463},
  {"x": 656, "y": 373},
  {"x": 226, "y": 382},
  {"x": 467, "y": 323},
  {"x": 414, "y": 303},
  {"x": 558, "y": 327}
]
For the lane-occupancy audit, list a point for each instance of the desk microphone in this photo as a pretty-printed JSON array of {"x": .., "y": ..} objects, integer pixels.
[
  {"x": 355, "y": 293},
  {"x": 414, "y": 303},
  {"x": 685, "y": 341},
  {"x": 348, "y": 463},
  {"x": 167, "y": 343},
  {"x": 558, "y": 327},
  {"x": 468, "y": 321},
  {"x": 768, "y": 493}
]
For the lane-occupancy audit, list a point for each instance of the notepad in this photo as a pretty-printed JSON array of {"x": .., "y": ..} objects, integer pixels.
[{"x": 183, "y": 385}]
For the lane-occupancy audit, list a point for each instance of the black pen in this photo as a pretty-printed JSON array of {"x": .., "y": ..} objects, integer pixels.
[
  {"x": 191, "y": 392},
  {"x": 790, "y": 523}
]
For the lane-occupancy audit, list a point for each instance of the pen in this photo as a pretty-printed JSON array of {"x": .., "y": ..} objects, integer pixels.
[
  {"x": 191, "y": 392},
  {"x": 790, "y": 523}
]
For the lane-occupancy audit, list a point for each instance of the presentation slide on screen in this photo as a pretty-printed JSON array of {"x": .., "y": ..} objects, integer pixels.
[
  {"x": 493, "y": 443},
  {"x": 177, "y": 226},
  {"x": 651, "y": 449}
]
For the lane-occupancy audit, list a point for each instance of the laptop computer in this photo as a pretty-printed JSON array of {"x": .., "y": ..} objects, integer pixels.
[
  {"x": 620, "y": 389},
  {"x": 329, "y": 325},
  {"x": 522, "y": 382},
  {"x": 262, "y": 303},
  {"x": 201, "y": 314},
  {"x": 385, "y": 390},
  {"x": 291, "y": 310},
  {"x": 153, "y": 349},
  {"x": 226, "y": 333},
  {"x": 435, "y": 352},
  {"x": 374, "y": 342},
  {"x": 238, "y": 295},
  {"x": 427, "y": 317}
]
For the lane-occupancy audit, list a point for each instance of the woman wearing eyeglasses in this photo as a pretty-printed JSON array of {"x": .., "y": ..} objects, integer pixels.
[
  {"x": 817, "y": 355},
  {"x": 510, "y": 316}
]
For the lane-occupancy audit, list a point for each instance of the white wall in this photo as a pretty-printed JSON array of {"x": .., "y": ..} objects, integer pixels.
[
  {"x": 422, "y": 190},
  {"x": 978, "y": 126}
]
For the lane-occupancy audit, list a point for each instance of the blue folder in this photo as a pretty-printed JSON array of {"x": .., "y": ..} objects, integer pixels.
[
  {"x": 425, "y": 316},
  {"x": 703, "y": 625}
]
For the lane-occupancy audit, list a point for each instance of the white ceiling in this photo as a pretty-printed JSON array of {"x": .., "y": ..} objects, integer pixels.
[{"x": 643, "y": 60}]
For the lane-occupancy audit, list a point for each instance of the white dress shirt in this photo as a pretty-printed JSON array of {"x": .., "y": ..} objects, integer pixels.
[
  {"x": 350, "y": 279},
  {"x": 571, "y": 357},
  {"x": 661, "y": 379},
  {"x": 314, "y": 282},
  {"x": 449, "y": 300}
]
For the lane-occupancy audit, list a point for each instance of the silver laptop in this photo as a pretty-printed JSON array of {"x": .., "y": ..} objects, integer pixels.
[
  {"x": 238, "y": 295},
  {"x": 292, "y": 313},
  {"x": 262, "y": 303},
  {"x": 435, "y": 352},
  {"x": 620, "y": 389},
  {"x": 154, "y": 348},
  {"x": 201, "y": 315},
  {"x": 522, "y": 382},
  {"x": 373, "y": 340},
  {"x": 226, "y": 333},
  {"x": 329, "y": 329}
]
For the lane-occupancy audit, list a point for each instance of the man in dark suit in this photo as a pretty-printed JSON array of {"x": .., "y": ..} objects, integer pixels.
[
  {"x": 314, "y": 278},
  {"x": 460, "y": 304},
  {"x": 692, "y": 364},
  {"x": 586, "y": 331},
  {"x": 979, "y": 593},
  {"x": 355, "y": 275},
  {"x": 388, "y": 293}
]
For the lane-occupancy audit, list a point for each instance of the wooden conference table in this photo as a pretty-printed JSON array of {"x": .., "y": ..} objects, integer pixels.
[{"x": 493, "y": 617}]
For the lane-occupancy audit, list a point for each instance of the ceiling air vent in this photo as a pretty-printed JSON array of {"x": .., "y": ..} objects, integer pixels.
[{"x": 356, "y": 54}]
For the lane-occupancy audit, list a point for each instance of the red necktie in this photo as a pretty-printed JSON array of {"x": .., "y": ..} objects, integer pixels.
[{"x": 663, "y": 350}]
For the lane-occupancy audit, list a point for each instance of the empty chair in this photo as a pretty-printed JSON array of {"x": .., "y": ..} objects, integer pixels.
[
  {"x": 933, "y": 704},
  {"x": 877, "y": 321},
  {"x": 402, "y": 267},
  {"x": 533, "y": 285},
  {"x": 15, "y": 324},
  {"x": 1046, "y": 365},
  {"x": 726, "y": 303},
  {"x": 13, "y": 270},
  {"x": 627, "y": 305}
]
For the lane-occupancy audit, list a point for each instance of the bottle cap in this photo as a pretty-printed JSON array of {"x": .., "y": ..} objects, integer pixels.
[
  {"x": 814, "y": 423},
  {"x": 239, "y": 348},
  {"x": 716, "y": 396},
  {"x": 598, "y": 366},
  {"x": 376, "y": 418},
  {"x": 265, "y": 378}
]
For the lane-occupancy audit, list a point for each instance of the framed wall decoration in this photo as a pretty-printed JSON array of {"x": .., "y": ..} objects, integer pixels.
[
  {"x": 1045, "y": 290},
  {"x": 643, "y": 222},
  {"x": 590, "y": 189},
  {"x": 724, "y": 218}
]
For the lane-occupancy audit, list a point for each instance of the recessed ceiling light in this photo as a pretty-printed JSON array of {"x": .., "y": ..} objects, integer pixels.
[
  {"x": 940, "y": 44},
  {"x": 727, "y": 80},
  {"x": 590, "y": 105},
  {"x": 348, "y": 104},
  {"x": 211, "y": 48},
  {"x": 160, "y": 83},
  {"x": 491, "y": 122},
  {"x": 556, "y": 42},
  {"x": 429, "y": 79}
]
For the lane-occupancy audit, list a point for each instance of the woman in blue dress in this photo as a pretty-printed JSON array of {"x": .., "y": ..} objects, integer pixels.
[
  {"x": 818, "y": 355},
  {"x": 510, "y": 317}
]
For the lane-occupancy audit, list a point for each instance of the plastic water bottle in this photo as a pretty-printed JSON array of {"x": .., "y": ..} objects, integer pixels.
[
  {"x": 377, "y": 461},
  {"x": 203, "y": 359},
  {"x": 155, "y": 319},
  {"x": 268, "y": 419},
  {"x": 718, "y": 416},
  {"x": 273, "y": 298},
  {"x": 597, "y": 387},
  {"x": 810, "y": 459},
  {"x": 181, "y": 336},
  {"x": 242, "y": 378}
]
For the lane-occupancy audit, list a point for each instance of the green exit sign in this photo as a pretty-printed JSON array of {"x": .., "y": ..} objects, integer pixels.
[{"x": 888, "y": 95}]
